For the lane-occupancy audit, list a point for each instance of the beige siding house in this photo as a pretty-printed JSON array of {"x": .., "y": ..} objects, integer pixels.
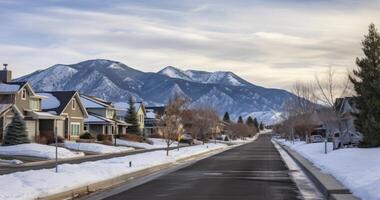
[{"x": 20, "y": 97}]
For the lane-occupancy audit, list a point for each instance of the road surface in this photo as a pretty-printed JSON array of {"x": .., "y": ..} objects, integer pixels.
[{"x": 252, "y": 171}]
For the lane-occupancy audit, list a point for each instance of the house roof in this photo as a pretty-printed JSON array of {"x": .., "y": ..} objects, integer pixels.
[
  {"x": 346, "y": 105},
  {"x": 11, "y": 87},
  {"x": 57, "y": 101},
  {"x": 97, "y": 119},
  {"x": 94, "y": 102},
  {"x": 159, "y": 110}
]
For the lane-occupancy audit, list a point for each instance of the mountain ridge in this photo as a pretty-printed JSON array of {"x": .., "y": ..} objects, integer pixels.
[{"x": 116, "y": 82}]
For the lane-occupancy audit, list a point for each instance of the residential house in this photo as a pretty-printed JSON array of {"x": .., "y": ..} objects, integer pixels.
[
  {"x": 68, "y": 106},
  {"x": 347, "y": 110},
  {"x": 140, "y": 113},
  {"x": 20, "y": 97},
  {"x": 102, "y": 117},
  {"x": 152, "y": 116}
]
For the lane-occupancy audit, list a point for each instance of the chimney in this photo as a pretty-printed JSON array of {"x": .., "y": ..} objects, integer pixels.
[{"x": 5, "y": 74}]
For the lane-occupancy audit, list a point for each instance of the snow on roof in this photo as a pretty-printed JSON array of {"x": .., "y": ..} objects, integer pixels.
[
  {"x": 50, "y": 102},
  {"x": 150, "y": 114},
  {"x": 93, "y": 118},
  {"x": 90, "y": 104},
  {"x": 9, "y": 88}
]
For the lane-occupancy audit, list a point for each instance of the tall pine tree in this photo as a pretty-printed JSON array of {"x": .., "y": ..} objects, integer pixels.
[
  {"x": 256, "y": 123},
  {"x": 16, "y": 132},
  {"x": 261, "y": 126},
  {"x": 366, "y": 81},
  {"x": 226, "y": 117},
  {"x": 250, "y": 122},
  {"x": 240, "y": 120},
  {"x": 131, "y": 118}
]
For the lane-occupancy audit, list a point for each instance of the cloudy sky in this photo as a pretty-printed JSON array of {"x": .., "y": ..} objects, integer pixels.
[{"x": 267, "y": 42}]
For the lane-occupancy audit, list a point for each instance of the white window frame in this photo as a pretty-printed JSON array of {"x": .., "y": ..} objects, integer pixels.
[
  {"x": 23, "y": 94},
  {"x": 36, "y": 102},
  {"x": 73, "y": 104},
  {"x": 77, "y": 125}
]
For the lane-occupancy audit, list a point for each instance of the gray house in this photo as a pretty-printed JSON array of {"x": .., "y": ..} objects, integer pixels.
[
  {"x": 68, "y": 106},
  {"x": 102, "y": 117}
]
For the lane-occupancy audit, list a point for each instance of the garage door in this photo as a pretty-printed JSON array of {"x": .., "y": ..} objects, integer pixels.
[{"x": 31, "y": 129}]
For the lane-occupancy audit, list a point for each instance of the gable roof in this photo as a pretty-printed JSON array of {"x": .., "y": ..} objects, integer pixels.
[
  {"x": 158, "y": 110},
  {"x": 94, "y": 102},
  {"x": 57, "y": 101},
  {"x": 139, "y": 105},
  {"x": 14, "y": 87}
]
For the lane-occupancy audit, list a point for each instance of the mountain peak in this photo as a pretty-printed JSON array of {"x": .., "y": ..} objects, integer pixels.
[
  {"x": 116, "y": 82},
  {"x": 218, "y": 77}
]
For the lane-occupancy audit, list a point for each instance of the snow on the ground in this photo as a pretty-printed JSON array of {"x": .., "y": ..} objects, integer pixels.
[
  {"x": 38, "y": 150},
  {"x": 38, "y": 183},
  {"x": 358, "y": 169},
  {"x": 10, "y": 162},
  {"x": 157, "y": 143},
  {"x": 96, "y": 148}
]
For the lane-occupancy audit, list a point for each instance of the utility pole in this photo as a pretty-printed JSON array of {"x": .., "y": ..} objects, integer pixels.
[{"x": 56, "y": 146}]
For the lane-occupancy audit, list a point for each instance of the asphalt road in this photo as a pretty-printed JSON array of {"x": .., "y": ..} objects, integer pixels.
[{"x": 253, "y": 171}]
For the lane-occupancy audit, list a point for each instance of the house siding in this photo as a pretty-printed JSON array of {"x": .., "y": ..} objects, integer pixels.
[{"x": 74, "y": 116}]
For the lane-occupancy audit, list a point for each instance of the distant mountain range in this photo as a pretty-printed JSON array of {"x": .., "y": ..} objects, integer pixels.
[{"x": 115, "y": 81}]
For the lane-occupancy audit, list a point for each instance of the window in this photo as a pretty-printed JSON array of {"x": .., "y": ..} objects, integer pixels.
[
  {"x": 34, "y": 104},
  {"x": 110, "y": 113},
  {"x": 73, "y": 104},
  {"x": 23, "y": 94},
  {"x": 75, "y": 128}
]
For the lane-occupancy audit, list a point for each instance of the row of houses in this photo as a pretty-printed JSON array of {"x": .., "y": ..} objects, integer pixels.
[{"x": 68, "y": 113}]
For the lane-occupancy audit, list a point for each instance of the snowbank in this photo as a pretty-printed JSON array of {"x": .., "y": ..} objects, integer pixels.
[
  {"x": 96, "y": 148},
  {"x": 37, "y": 183},
  {"x": 38, "y": 150},
  {"x": 358, "y": 169},
  {"x": 157, "y": 143}
]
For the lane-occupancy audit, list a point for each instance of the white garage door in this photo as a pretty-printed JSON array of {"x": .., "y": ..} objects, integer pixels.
[{"x": 31, "y": 129}]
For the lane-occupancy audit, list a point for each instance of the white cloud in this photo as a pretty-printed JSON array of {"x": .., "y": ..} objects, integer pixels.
[{"x": 271, "y": 43}]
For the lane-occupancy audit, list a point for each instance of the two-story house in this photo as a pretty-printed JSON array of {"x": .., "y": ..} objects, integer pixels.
[
  {"x": 20, "y": 97},
  {"x": 140, "y": 113},
  {"x": 102, "y": 117},
  {"x": 68, "y": 106}
]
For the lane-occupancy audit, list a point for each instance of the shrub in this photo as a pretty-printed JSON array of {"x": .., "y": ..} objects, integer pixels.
[{"x": 86, "y": 135}]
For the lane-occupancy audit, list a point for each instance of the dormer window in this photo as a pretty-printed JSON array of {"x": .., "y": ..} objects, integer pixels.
[
  {"x": 73, "y": 104},
  {"x": 23, "y": 94}
]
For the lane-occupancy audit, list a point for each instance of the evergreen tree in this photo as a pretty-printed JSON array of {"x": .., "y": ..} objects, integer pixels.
[
  {"x": 366, "y": 81},
  {"x": 240, "y": 120},
  {"x": 131, "y": 118},
  {"x": 16, "y": 132},
  {"x": 250, "y": 122},
  {"x": 256, "y": 123},
  {"x": 226, "y": 117},
  {"x": 261, "y": 126}
]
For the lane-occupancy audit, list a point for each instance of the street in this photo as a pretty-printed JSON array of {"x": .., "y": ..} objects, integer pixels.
[{"x": 252, "y": 171}]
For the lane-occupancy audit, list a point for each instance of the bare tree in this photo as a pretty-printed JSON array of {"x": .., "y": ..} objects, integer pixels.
[
  {"x": 329, "y": 88},
  {"x": 205, "y": 122},
  {"x": 171, "y": 124}
]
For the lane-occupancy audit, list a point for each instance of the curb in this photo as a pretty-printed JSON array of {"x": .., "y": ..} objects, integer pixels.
[
  {"x": 105, "y": 184},
  {"x": 327, "y": 184}
]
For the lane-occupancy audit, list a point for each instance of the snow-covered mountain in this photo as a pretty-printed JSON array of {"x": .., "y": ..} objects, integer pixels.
[
  {"x": 115, "y": 81},
  {"x": 219, "y": 77}
]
